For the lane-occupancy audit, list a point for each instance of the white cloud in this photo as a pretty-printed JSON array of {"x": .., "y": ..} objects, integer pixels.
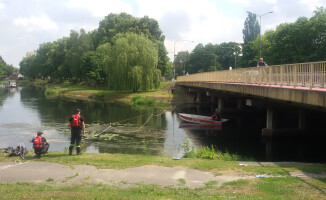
[
  {"x": 26, "y": 24},
  {"x": 200, "y": 21},
  {"x": 2, "y": 6},
  {"x": 101, "y": 8},
  {"x": 243, "y": 2},
  {"x": 271, "y": 1},
  {"x": 35, "y": 23}
]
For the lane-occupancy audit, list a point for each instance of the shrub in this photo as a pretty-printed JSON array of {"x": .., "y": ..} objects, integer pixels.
[
  {"x": 50, "y": 92},
  {"x": 139, "y": 100}
]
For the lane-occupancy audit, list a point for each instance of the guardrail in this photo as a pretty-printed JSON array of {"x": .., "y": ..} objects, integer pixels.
[{"x": 296, "y": 75}]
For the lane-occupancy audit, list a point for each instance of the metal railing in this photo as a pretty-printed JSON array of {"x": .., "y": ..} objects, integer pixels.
[{"x": 297, "y": 75}]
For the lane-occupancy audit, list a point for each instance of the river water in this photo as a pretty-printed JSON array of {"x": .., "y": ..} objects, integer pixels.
[{"x": 120, "y": 128}]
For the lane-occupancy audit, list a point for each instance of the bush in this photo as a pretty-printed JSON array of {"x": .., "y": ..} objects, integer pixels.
[
  {"x": 208, "y": 153},
  {"x": 50, "y": 92},
  {"x": 139, "y": 100}
]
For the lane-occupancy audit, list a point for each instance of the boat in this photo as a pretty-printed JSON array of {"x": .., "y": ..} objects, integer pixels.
[
  {"x": 200, "y": 119},
  {"x": 12, "y": 84}
]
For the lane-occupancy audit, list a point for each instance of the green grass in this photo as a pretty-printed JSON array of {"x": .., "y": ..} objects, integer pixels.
[
  {"x": 122, "y": 161},
  {"x": 210, "y": 153},
  {"x": 157, "y": 97},
  {"x": 51, "y": 92},
  {"x": 283, "y": 187},
  {"x": 182, "y": 182},
  {"x": 70, "y": 177},
  {"x": 269, "y": 188}
]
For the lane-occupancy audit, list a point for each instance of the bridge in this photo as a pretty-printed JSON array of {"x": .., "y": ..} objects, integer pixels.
[{"x": 302, "y": 83}]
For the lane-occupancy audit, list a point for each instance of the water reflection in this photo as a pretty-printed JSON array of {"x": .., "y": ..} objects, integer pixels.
[{"x": 26, "y": 110}]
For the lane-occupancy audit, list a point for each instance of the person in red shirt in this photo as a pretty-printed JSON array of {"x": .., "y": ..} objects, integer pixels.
[
  {"x": 40, "y": 144},
  {"x": 77, "y": 125}
]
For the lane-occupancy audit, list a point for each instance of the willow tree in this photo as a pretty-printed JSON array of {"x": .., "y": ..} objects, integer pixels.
[{"x": 133, "y": 63}]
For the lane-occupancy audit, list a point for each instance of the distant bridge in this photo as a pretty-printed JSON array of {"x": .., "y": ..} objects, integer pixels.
[{"x": 301, "y": 83}]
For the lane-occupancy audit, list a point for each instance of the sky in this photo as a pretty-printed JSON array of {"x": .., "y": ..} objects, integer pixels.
[{"x": 25, "y": 24}]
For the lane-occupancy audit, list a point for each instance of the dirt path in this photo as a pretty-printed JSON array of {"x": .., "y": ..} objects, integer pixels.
[{"x": 46, "y": 172}]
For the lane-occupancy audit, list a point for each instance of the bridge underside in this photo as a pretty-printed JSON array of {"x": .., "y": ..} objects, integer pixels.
[{"x": 302, "y": 95}]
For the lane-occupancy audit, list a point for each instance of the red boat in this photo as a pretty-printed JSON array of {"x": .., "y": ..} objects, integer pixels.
[{"x": 200, "y": 119}]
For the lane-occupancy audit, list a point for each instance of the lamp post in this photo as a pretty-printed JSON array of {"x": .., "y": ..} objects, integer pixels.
[
  {"x": 260, "y": 29},
  {"x": 175, "y": 55}
]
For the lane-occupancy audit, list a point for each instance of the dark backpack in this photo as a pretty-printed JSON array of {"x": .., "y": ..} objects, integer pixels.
[{"x": 18, "y": 151}]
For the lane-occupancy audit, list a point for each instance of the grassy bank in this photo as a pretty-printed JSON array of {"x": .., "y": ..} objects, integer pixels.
[
  {"x": 271, "y": 188},
  {"x": 280, "y": 186},
  {"x": 122, "y": 161},
  {"x": 82, "y": 91}
]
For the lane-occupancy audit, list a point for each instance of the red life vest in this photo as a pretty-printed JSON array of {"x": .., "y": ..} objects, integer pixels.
[
  {"x": 37, "y": 143},
  {"x": 75, "y": 121}
]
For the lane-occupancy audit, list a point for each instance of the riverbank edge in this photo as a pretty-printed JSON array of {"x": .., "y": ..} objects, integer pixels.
[{"x": 162, "y": 95}]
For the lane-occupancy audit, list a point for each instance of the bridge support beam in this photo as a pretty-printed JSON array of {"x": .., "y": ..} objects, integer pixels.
[
  {"x": 302, "y": 119},
  {"x": 270, "y": 118},
  {"x": 212, "y": 99},
  {"x": 270, "y": 123},
  {"x": 198, "y": 99},
  {"x": 220, "y": 103},
  {"x": 239, "y": 103}
]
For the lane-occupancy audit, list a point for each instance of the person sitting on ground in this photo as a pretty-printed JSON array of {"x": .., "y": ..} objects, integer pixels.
[
  {"x": 216, "y": 117},
  {"x": 40, "y": 144},
  {"x": 261, "y": 63}
]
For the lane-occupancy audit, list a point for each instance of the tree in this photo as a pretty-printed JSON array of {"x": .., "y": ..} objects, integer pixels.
[
  {"x": 91, "y": 68},
  {"x": 28, "y": 67},
  {"x": 250, "y": 32},
  {"x": 134, "y": 62},
  {"x": 5, "y": 68},
  {"x": 181, "y": 63},
  {"x": 77, "y": 45},
  {"x": 228, "y": 54},
  {"x": 202, "y": 58},
  {"x": 251, "y": 28},
  {"x": 114, "y": 24}
]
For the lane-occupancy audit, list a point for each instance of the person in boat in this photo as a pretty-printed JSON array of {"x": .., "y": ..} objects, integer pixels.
[
  {"x": 77, "y": 124},
  {"x": 40, "y": 144},
  {"x": 216, "y": 117}
]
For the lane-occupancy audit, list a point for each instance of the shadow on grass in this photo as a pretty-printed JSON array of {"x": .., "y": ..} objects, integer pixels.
[
  {"x": 47, "y": 157},
  {"x": 309, "y": 183}
]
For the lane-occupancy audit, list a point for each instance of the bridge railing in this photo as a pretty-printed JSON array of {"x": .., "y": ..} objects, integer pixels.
[{"x": 296, "y": 75}]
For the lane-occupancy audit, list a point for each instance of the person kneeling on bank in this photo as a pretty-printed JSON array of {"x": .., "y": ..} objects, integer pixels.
[{"x": 40, "y": 144}]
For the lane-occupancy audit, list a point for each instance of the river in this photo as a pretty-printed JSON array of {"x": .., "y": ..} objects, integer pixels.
[{"x": 118, "y": 128}]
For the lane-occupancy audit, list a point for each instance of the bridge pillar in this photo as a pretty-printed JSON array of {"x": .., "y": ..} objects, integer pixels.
[
  {"x": 269, "y": 118},
  {"x": 270, "y": 123},
  {"x": 239, "y": 103},
  {"x": 212, "y": 99},
  {"x": 199, "y": 108},
  {"x": 302, "y": 119},
  {"x": 220, "y": 103},
  {"x": 198, "y": 99}
]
